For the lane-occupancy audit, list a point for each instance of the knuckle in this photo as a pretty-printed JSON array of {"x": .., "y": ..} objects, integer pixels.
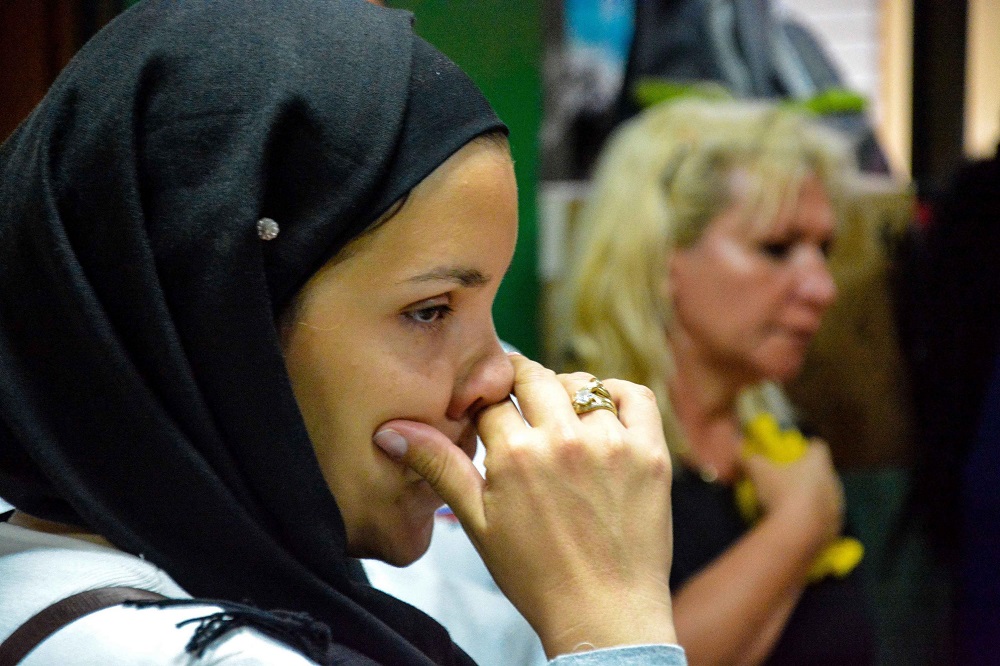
[
  {"x": 536, "y": 373},
  {"x": 640, "y": 391},
  {"x": 569, "y": 438},
  {"x": 615, "y": 444},
  {"x": 521, "y": 440},
  {"x": 618, "y": 451},
  {"x": 659, "y": 463},
  {"x": 566, "y": 443},
  {"x": 519, "y": 458},
  {"x": 578, "y": 377},
  {"x": 643, "y": 392}
]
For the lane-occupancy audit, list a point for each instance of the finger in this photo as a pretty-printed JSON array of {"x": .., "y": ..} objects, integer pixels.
[
  {"x": 441, "y": 463},
  {"x": 499, "y": 424},
  {"x": 542, "y": 397},
  {"x": 575, "y": 381},
  {"x": 638, "y": 411}
]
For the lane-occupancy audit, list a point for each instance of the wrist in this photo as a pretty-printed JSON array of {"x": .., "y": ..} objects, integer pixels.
[
  {"x": 604, "y": 625},
  {"x": 805, "y": 530}
]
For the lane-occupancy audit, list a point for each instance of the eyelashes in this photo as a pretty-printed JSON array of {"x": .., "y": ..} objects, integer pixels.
[
  {"x": 780, "y": 250},
  {"x": 777, "y": 251},
  {"x": 429, "y": 316}
]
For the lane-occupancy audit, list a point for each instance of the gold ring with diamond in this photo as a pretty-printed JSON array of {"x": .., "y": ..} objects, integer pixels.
[{"x": 593, "y": 396}]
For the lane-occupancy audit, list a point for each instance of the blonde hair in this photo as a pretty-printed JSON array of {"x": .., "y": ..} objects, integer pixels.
[{"x": 661, "y": 179}]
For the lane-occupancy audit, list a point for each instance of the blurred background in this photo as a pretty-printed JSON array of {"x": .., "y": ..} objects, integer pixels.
[
  {"x": 924, "y": 70},
  {"x": 915, "y": 86}
]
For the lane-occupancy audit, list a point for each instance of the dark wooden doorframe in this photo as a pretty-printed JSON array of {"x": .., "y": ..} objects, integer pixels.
[
  {"x": 37, "y": 39},
  {"x": 939, "y": 54}
]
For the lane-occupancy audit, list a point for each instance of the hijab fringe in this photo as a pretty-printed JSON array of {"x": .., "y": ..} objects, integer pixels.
[{"x": 299, "y": 631}]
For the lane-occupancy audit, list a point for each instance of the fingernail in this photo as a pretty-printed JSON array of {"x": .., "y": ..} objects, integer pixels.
[{"x": 391, "y": 442}]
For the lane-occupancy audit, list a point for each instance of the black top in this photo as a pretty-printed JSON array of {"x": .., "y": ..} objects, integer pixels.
[
  {"x": 830, "y": 624},
  {"x": 143, "y": 391}
]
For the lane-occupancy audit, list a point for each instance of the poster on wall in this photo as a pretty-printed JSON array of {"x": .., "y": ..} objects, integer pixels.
[
  {"x": 597, "y": 36},
  {"x": 583, "y": 79}
]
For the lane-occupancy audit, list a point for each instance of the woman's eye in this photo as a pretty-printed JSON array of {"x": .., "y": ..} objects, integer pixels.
[
  {"x": 430, "y": 315},
  {"x": 777, "y": 250}
]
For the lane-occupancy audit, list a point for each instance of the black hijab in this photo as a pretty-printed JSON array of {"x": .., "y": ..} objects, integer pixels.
[{"x": 142, "y": 388}]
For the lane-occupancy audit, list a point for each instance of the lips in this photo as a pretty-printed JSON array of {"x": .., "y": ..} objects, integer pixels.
[
  {"x": 798, "y": 332},
  {"x": 802, "y": 327},
  {"x": 804, "y": 337}
]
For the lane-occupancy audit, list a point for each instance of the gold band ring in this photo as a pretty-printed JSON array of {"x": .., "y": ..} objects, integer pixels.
[
  {"x": 596, "y": 386},
  {"x": 593, "y": 396}
]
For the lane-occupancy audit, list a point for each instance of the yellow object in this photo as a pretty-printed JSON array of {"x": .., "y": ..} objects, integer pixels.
[{"x": 765, "y": 437}]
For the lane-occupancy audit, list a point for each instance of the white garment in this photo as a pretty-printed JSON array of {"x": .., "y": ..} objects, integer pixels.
[
  {"x": 37, "y": 570},
  {"x": 451, "y": 584}
]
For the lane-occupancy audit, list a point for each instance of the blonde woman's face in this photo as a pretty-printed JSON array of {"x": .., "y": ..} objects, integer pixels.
[{"x": 748, "y": 299}]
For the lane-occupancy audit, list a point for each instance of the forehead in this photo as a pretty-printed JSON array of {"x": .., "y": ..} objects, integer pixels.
[
  {"x": 464, "y": 212},
  {"x": 798, "y": 203}
]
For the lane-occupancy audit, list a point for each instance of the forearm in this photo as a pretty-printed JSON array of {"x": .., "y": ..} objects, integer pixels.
[
  {"x": 737, "y": 607},
  {"x": 767, "y": 638}
]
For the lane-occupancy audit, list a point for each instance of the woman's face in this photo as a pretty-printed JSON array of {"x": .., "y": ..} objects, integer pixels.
[
  {"x": 400, "y": 327},
  {"x": 748, "y": 301}
]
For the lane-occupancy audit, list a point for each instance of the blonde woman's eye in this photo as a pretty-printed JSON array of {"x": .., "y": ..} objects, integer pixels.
[{"x": 776, "y": 250}]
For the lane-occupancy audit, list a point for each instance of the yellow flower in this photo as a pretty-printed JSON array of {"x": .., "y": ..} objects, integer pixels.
[{"x": 765, "y": 437}]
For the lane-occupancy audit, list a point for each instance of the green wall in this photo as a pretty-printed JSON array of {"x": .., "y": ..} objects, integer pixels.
[{"x": 499, "y": 43}]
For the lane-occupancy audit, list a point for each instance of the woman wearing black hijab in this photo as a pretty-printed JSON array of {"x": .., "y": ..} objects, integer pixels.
[{"x": 248, "y": 253}]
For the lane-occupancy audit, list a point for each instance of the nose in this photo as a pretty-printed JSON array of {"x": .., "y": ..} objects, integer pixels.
[
  {"x": 488, "y": 379},
  {"x": 816, "y": 284}
]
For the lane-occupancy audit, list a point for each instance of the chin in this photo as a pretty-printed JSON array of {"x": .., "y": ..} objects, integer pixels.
[
  {"x": 782, "y": 367},
  {"x": 783, "y": 372},
  {"x": 406, "y": 544},
  {"x": 407, "y": 555},
  {"x": 398, "y": 531}
]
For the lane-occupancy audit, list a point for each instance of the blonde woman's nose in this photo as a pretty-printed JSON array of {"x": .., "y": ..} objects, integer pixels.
[{"x": 816, "y": 283}]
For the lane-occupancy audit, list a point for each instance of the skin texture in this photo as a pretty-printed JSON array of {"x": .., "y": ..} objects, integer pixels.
[
  {"x": 748, "y": 301},
  {"x": 403, "y": 329}
]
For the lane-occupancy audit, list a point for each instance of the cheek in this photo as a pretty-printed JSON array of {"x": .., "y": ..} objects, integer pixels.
[
  {"x": 729, "y": 275},
  {"x": 399, "y": 385}
]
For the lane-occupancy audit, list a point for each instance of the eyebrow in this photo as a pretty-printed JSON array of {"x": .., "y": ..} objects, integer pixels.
[{"x": 465, "y": 277}]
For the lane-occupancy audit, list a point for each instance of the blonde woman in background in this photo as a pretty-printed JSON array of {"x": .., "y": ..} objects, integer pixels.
[{"x": 700, "y": 271}]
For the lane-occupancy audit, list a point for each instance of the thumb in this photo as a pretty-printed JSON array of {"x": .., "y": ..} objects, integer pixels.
[{"x": 441, "y": 463}]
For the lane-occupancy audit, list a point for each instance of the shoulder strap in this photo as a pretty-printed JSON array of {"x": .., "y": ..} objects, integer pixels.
[{"x": 53, "y": 618}]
